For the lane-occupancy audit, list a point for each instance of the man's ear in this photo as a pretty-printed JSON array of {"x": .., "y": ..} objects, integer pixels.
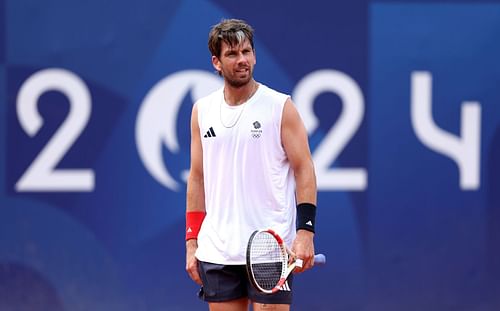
[{"x": 216, "y": 63}]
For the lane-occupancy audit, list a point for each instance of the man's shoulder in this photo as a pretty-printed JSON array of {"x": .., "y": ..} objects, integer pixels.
[
  {"x": 211, "y": 97},
  {"x": 270, "y": 92}
]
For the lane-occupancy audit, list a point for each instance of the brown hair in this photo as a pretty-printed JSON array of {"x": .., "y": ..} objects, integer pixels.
[{"x": 231, "y": 31}]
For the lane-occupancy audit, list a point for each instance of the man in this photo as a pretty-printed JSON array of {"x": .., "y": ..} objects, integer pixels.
[{"x": 251, "y": 169}]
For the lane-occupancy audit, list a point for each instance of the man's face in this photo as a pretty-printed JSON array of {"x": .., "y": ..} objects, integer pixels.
[{"x": 236, "y": 63}]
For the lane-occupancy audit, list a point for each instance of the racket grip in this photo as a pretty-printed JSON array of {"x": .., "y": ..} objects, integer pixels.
[{"x": 319, "y": 259}]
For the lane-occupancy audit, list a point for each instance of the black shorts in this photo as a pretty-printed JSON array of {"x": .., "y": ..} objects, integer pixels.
[{"x": 229, "y": 282}]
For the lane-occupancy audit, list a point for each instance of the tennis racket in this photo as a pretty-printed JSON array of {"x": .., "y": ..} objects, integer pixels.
[{"x": 267, "y": 261}]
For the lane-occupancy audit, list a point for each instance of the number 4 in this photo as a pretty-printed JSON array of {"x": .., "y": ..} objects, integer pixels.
[{"x": 464, "y": 150}]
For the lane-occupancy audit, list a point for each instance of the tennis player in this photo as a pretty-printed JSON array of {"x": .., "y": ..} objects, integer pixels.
[{"x": 251, "y": 168}]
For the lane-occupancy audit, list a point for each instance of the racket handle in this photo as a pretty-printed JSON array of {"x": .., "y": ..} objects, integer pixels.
[{"x": 319, "y": 259}]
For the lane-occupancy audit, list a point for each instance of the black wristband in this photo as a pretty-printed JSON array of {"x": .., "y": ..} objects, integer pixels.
[{"x": 306, "y": 216}]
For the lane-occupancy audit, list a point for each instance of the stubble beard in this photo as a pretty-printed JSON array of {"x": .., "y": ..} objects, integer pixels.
[{"x": 237, "y": 83}]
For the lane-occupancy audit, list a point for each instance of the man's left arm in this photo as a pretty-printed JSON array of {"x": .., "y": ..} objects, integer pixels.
[{"x": 295, "y": 142}]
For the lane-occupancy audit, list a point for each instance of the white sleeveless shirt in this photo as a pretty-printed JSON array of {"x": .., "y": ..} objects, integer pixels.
[{"x": 249, "y": 184}]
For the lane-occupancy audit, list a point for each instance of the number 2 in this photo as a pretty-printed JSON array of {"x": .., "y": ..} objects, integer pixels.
[
  {"x": 339, "y": 135},
  {"x": 42, "y": 175}
]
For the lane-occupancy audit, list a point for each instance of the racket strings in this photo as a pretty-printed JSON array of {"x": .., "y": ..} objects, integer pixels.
[{"x": 267, "y": 259}]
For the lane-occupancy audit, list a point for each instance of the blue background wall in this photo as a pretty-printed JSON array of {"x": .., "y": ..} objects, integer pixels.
[{"x": 400, "y": 228}]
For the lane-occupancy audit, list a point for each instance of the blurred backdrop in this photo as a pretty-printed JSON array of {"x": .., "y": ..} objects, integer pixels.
[{"x": 401, "y": 102}]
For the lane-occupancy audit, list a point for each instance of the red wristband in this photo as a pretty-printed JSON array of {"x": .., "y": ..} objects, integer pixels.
[{"x": 193, "y": 224}]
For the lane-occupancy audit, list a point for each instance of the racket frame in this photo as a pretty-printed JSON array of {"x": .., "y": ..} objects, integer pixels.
[{"x": 287, "y": 268}]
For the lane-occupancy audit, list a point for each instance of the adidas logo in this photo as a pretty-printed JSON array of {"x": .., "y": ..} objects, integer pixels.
[
  {"x": 210, "y": 133},
  {"x": 189, "y": 230},
  {"x": 285, "y": 287},
  {"x": 309, "y": 223}
]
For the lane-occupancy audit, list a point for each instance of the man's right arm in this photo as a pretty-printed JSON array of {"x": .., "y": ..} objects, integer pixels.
[{"x": 195, "y": 199}]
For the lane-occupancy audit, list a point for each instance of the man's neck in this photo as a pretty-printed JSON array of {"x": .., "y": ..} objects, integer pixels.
[{"x": 238, "y": 95}]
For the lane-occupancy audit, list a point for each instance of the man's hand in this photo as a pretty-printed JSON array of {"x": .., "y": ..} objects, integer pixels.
[
  {"x": 303, "y": 248},
  {"x": 191, "y": 261}
]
